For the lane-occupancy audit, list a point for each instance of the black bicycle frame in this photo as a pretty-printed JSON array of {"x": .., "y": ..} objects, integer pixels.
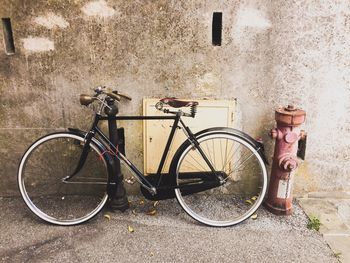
[{"x": 114, "y": 149}]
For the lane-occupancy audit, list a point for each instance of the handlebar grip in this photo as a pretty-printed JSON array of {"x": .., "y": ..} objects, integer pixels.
[
  {"x": 122, "y": 95},
  {"x": 113, "y": 95},
  {"x": 125, "y": 96}
]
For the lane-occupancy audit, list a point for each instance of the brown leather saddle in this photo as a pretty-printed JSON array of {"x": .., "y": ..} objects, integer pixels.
[{"x": 175, "y": 103}]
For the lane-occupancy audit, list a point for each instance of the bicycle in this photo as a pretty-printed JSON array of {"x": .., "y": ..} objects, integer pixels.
[{"x": 218, "y": 175}]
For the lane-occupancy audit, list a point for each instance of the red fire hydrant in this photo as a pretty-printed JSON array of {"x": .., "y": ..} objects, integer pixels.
[{"x": 285, "y": 162}]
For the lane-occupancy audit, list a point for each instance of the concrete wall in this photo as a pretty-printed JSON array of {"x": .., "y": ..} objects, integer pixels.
[{"x": 273, "y": 53}]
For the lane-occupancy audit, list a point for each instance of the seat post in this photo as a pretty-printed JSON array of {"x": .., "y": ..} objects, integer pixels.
[{"x": 119, "y": 201}]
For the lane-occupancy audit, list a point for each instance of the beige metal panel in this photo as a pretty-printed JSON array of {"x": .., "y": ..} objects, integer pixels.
[{"x": 210, "y": 113}]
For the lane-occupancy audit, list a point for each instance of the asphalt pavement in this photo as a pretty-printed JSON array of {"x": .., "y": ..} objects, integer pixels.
[{"x": 168, "y": 235}]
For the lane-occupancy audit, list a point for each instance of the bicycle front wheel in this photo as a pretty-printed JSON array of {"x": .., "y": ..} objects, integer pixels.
[
  {"x": 222, "y": 181},
  {"x": 40, "y": 177}
]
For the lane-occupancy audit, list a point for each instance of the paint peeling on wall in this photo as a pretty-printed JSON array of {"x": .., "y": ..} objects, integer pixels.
[
  {"x": 249, "y": 25},
  {"x": 208, "y": 83},
  {"x": 51, "y": 20},
  {"x": 251, "y": 17},
  {"x": 99, "y": 9},
  {"x": 38, "y": 44}
]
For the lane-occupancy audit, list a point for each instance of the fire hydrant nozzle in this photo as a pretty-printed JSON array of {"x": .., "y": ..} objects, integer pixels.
[
  {"x": 288, "y": 163},
  {"x": 285, "y": 161}
]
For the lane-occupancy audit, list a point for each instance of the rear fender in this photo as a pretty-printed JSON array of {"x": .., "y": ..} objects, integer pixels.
[{"x": 257, "y": 145}]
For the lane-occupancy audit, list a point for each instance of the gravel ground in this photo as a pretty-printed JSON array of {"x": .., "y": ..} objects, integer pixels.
[{"x": 168, "y": 236}]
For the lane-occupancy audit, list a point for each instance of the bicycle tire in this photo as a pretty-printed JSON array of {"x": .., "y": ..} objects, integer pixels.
[
  {"x": 243, "y": 191},
  {"x": 41, "y": 170}
]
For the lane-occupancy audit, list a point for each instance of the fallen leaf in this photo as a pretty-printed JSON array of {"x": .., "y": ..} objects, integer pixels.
[
  {"x": 152, "y": 212},
  {"x": 107, "y": 216},
  {"x": 130, "y": 229},
  {"x": 254, "y": 198},
  {"x": 255, "y": 216},
  {"x": 130, "y": 180},
  {"x": 249, "y": 202}
]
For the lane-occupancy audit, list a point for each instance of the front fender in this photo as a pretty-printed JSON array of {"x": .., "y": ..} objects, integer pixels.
[{"x": 112, "y": 178}]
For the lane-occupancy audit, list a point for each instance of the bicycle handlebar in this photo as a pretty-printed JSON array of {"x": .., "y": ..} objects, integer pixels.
[
  {"x": 87, "y": 99},
  {"x": 113, "y": 94}
]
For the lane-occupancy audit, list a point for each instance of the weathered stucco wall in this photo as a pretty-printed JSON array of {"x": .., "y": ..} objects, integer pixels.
[{"x": 273, "y": 53}]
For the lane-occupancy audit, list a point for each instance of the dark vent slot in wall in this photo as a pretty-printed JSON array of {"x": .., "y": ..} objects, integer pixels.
[
  {"x": 217, "y": 28},
  {"x": 8, "y": 36}
]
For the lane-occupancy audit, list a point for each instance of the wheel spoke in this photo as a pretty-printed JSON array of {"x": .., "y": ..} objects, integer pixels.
[
  {"x": 196, "y": 160},
  {"x": 224, "y": 205},
  {"x": 42, "y": 169},
  {"x": 230, "y": 156}
]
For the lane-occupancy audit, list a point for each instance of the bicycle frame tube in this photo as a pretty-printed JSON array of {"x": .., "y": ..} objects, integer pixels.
[
  {"x": 114, "y": 150},
  {"x": 140, "y": 176},
  {"x": 125, "y": 160},
  {"x": 195, "y": 143}
]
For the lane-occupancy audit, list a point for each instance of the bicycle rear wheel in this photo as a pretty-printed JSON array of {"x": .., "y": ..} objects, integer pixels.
[
  {"x": 40, "y": 177},
  {"x": 240, "y": 168}
]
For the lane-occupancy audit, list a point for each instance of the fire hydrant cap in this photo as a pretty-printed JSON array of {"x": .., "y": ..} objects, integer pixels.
[{"x": 290, "y": 116}]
